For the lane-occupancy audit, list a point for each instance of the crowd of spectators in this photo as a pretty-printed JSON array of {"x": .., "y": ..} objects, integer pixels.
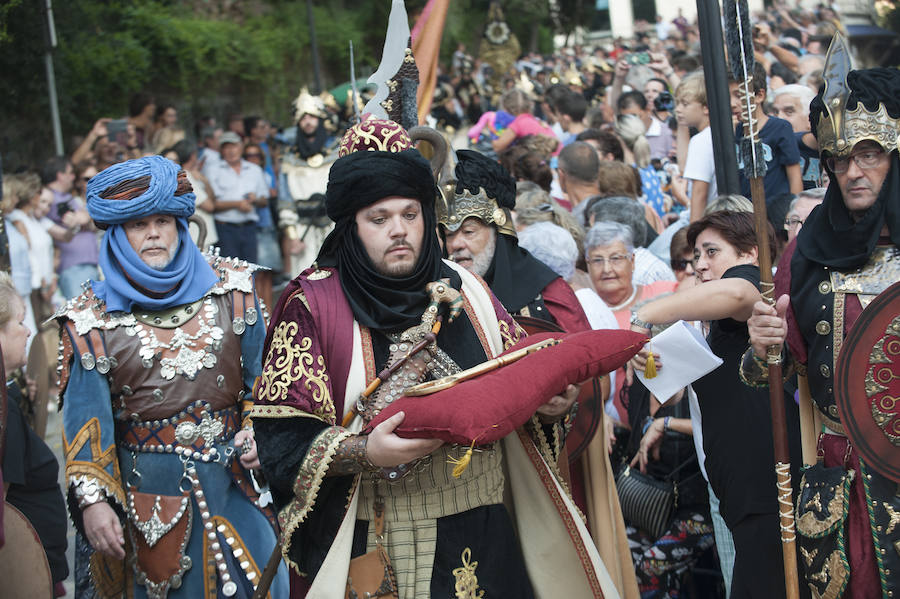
[{"x": 610, "y": 144}]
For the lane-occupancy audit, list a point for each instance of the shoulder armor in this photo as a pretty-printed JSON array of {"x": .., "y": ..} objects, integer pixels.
[
  {"x": 234, "y": 274},
  {"x": 87, "y": 311}
]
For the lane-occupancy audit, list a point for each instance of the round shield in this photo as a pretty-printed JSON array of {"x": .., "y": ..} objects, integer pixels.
[
  {"x": 590, "y": 400},
  {"x": 23, "y": 563},
  {"x": 867, "y": 384}
]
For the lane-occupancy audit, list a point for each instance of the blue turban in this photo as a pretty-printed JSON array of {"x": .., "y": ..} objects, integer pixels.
[
  {"x": 130, "y": 282},
  {"x": 159, "y": 198}
]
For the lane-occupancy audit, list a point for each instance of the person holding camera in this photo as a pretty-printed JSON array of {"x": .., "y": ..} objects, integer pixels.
[
  {"x": 658, "y": 133},
  {"x": 78, "y": 256},
  {"x": 654, "y": 64},
  {"x": 108, "y": 142}
]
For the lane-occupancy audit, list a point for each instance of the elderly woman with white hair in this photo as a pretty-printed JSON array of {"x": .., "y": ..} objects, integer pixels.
[
  {"x": 609, "y": 253},
  {"x": 647, "y": 267},
  {"x": 555, "y": 247}
]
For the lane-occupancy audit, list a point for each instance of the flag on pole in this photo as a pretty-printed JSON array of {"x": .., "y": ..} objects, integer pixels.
[{"x": 426, "y": 46}]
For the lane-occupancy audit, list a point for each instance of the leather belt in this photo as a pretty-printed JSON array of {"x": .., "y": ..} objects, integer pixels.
[{"x": 194, "y": 431}]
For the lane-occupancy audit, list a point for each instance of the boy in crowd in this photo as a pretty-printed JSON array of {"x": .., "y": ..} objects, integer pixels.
[
  {"x": 783, "y": 173},
  {"x": 691, "y": 110}
]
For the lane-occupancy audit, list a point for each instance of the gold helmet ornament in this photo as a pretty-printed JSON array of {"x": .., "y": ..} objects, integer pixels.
[
  {"x": 839, "y": 129},
  {"x": 493, "y": 198},
  {"x": 306, "y": 103}
]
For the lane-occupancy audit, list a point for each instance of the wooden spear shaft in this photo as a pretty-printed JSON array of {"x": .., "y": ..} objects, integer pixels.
[
  {"x": 776, "y": 401},
  {"x": 740, "y": 53}
]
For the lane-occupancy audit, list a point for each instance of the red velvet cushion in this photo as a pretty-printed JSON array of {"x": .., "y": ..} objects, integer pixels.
[{"x": 489, "y": 407}]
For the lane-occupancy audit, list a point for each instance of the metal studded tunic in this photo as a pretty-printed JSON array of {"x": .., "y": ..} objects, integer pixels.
[{"x": 152, "y": 402}]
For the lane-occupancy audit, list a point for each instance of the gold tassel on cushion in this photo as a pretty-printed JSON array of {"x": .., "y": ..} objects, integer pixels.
[
  {"x": 460, "y": 464},
  {"x": 650, "y": 368}
]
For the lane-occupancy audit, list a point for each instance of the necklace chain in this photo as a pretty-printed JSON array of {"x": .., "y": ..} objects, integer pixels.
[{"x": 634, "y": 291}]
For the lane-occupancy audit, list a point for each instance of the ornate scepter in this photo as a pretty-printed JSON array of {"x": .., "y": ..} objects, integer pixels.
[{"x": 740, "y": 55}]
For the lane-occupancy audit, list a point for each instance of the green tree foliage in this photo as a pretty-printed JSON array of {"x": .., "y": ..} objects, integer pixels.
[{"x": 205, "y": 56}]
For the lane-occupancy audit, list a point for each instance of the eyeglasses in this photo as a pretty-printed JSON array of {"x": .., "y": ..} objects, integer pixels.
[
  {"x": 791, "y": 222},
  {"x": 681, "y": 264},
  {"x": 865, "y": 160},
  {"x": 615, "y": 261},
  {"x": 252, "y": 155}
]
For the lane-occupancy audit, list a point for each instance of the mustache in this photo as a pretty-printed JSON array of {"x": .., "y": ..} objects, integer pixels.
[
  {"x": 461, "y": 255},
  {"x": 397, "y": 244}
]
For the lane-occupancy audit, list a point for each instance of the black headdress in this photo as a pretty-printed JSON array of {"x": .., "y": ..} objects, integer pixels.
[
  {"x": 853, "y": 106},
  {"x": 486, "y": 190},
  {"x": 358, "y": 180}
]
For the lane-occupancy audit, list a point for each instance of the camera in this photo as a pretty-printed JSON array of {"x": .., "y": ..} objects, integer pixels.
[
  {"x": 117, "y": 131},
  {"x": 62, "y": 208},
  {"x": 664, "y": 102}
]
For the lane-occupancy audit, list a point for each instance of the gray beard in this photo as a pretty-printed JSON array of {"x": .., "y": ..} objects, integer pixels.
[
  {"x": 481, "y": 262},
  {"x": 173, "y": 249}
]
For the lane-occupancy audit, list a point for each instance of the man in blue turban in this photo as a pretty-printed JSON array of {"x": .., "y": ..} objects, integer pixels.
[{"x": 157, "y": 362}]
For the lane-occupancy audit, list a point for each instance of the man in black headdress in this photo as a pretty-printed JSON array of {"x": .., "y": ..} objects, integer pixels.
[
  {"x": 846, "y": 255},
  {"x": 480, "y": 235},
  {"x": 341, "y": 493}
]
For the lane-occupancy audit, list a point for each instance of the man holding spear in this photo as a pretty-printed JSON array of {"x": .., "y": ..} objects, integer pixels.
[{"x": 842, "y": 271}]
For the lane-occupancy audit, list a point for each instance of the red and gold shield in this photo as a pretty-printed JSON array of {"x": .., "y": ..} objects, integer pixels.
[{"x": 867, "y": 384}]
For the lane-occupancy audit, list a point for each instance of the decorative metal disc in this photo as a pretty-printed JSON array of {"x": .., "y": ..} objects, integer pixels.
[
  {"x": 238, "y": 326},
  {"x": 103, "y": 364},
  {"x": 87, "y": 361}
]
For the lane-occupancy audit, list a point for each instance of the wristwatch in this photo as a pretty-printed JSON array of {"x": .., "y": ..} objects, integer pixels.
[{"x": 635, "y": 321}]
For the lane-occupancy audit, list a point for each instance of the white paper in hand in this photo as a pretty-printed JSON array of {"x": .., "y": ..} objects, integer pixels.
[{"x": 685, "y": 357}]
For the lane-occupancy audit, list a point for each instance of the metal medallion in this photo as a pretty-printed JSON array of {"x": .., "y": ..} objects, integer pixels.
[
  {"x": 251, "y": 316},
  {"x": 238, "y": 326},
  {"x": 87, "y": 361},
  {"x": 229, "y": 589},
  {"x": 103, "y": 364},
  {"x": 823, "y": 327}
]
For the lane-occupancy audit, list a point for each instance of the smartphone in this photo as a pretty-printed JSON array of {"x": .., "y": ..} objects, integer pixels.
[
  {"x": 117, "y": 131},
  {"x": 639, "y": 58}
]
